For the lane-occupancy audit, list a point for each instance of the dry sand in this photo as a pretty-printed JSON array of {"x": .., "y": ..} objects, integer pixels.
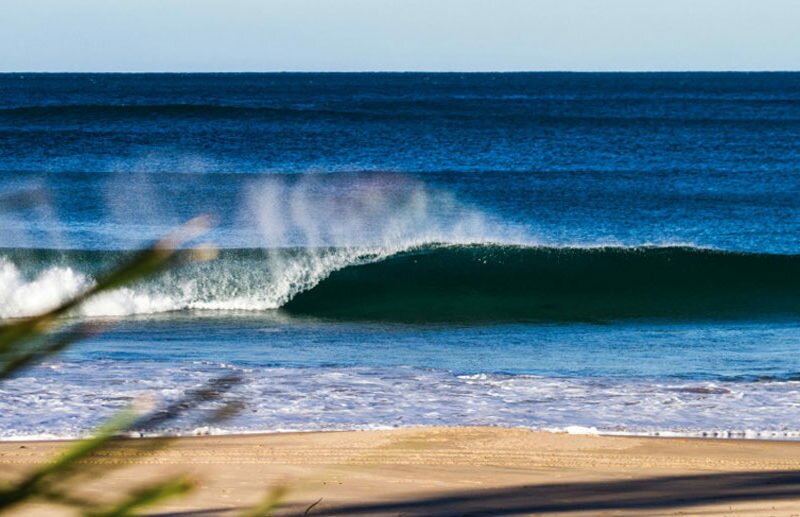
[{"x": 454, "y": 471}]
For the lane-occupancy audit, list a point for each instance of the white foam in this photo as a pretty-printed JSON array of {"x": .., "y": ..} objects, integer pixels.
[
  {"x": 67, "y": 399},
  {"x": 21, "y": 297},
  {"x": 221, "y": 290}
]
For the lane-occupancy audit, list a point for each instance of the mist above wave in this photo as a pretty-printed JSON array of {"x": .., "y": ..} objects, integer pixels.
[
  {"x": 423, "y": 255},
  {"x": 308, "y": 227}
]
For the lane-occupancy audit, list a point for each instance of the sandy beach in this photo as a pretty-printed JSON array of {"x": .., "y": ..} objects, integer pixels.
[{"x": 453, "y": 471}]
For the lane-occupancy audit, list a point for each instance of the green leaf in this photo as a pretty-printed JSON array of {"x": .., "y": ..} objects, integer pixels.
[
  {"x": 39, "y": 350},
  {"x": 145, "y": 263}
]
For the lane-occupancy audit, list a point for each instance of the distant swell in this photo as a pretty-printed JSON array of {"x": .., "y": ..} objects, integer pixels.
[
  {"x": 113, "y": 111},
  {"x": 413, "y": 110},
  {"x": 431, "y": 283}
]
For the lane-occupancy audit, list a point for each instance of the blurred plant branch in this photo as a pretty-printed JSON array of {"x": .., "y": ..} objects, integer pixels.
[{"x": 28, "y": 341}]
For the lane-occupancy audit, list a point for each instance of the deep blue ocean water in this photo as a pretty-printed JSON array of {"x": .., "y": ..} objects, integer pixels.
[{"x": 618, "y": 252}]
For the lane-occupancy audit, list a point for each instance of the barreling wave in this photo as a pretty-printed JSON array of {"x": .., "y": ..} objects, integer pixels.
[
  {"x": 430, "y": 283},
  {"x": 514, "y": 283}
]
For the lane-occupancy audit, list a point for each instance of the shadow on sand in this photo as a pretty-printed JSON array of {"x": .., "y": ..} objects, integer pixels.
[{"x": 656, "y": 493}]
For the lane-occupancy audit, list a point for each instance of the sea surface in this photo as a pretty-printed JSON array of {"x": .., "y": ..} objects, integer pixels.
[{"x": 610, "y": 253}]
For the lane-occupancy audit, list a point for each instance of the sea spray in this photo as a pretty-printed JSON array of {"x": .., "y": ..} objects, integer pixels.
[
  {"x": 315, "y": 224},
  {"x": 309, "y": 225},
  {"x": 390, "y": 248}
]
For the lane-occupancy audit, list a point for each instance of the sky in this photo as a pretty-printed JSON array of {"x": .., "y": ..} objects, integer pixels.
[{"x": 398, "y": 35}]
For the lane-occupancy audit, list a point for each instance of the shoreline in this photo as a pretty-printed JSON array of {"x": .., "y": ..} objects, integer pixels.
[
  {"x": 452, "y": 470},
  {"x": 714, "y": 435}
]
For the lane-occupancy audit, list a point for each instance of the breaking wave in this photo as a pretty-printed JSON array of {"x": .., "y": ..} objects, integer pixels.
[{"x": 431, "y": 282}]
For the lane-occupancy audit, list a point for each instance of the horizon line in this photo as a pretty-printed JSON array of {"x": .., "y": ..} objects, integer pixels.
[{"x": 254, "y": 72}]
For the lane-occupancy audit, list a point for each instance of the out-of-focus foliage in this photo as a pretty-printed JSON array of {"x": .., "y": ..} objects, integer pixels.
[{"x": 28, "y": 341}]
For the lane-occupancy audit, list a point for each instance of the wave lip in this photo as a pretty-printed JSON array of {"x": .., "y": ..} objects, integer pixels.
[{"x": 517, "y": 283}]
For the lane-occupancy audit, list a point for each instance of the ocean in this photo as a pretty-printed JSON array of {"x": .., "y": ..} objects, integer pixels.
[{"x": 596, "y": 253}]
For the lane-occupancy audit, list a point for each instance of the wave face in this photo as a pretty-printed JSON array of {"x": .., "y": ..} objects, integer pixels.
[
  {"x": 428, "y": 283},
  {"x": 511, "y": 283}
]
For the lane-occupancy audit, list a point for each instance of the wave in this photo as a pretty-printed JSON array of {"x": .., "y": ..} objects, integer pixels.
[
  {"x": 369, "y": 111},
  {"x": 428, "y": 283},
  {"x": 240, "y": 280},
  {"x": 514, "y": 283},
  {"x": 162, "y": 110}
]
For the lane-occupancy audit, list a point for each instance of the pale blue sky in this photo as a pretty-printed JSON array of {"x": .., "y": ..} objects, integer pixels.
[{"x": 347, "y": 35}]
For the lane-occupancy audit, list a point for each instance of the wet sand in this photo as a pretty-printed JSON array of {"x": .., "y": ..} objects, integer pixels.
[{"x": 451, "y": 471}]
